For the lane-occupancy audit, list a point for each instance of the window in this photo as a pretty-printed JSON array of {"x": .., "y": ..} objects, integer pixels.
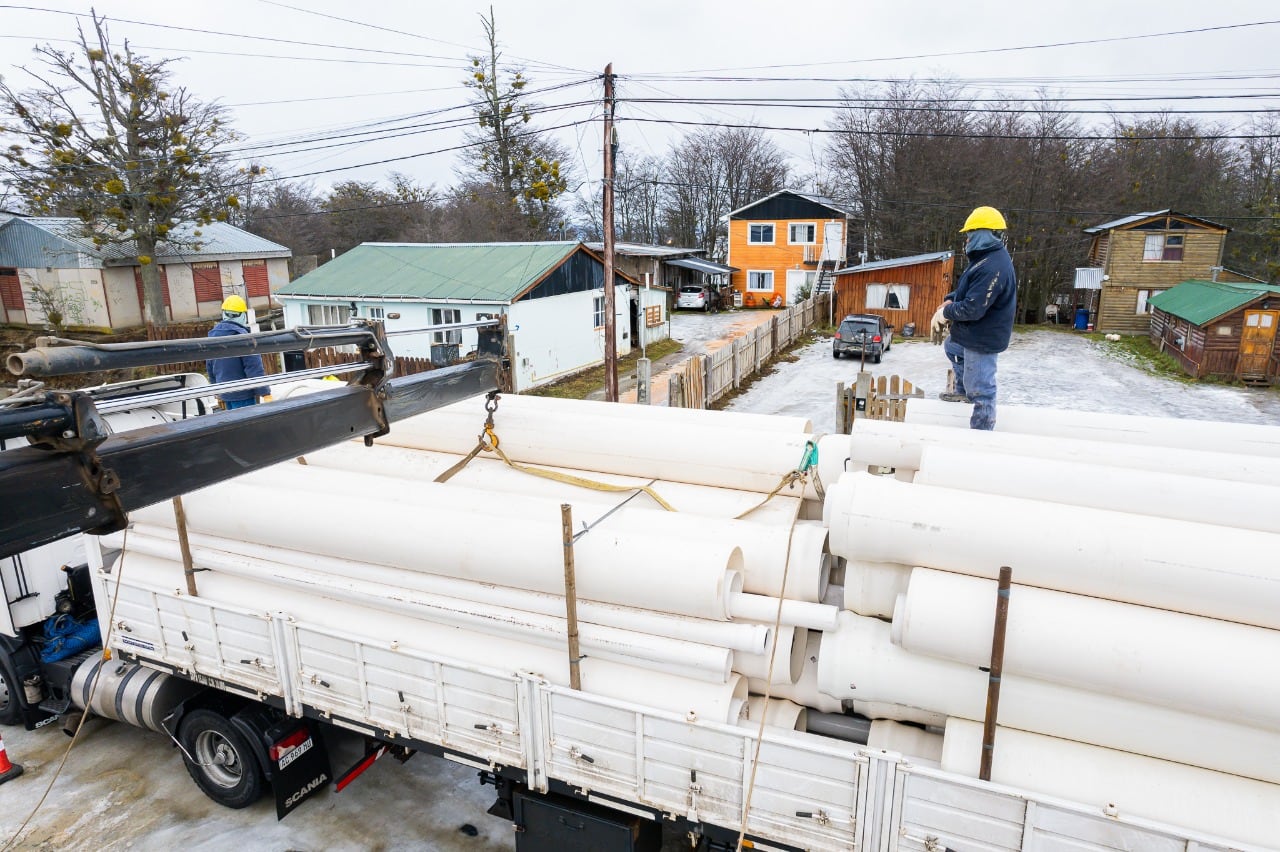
[
  {"x": 1162, "y": 247},
  {"x": 894, "y": 297},
  {"x": 1143, "y": 297},
  {"x": 597, "y": 311},
  {"x": 257, "y": 285},
  {"x": 760, "y": 234},
  {"x": 328, "y": 314},
  {"x": 759, "y": 280},
  {"x": 208, "y": 282},
  {"x": 1225, "y": 330},
  {"x": 10, "y": 289},
  {"x": 377, "y": 313},
  {"x": 802, "y": 233},
  {"x": 444, "y": 316}
]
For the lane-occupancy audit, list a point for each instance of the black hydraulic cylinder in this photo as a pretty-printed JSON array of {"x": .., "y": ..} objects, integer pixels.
[
  {"x": 65, "y": 360},
  {"x": 48, "y": 495},
  {"x": 34, "y": 421}
]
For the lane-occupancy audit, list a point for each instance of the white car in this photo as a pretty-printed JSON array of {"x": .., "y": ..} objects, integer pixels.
[{"x": 694, "y": 298}]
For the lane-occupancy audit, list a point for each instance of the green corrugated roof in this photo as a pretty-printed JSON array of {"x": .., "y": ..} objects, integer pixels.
[
  {"x": 490, "y": 272},
  {"x": 1199, "y": 302}
]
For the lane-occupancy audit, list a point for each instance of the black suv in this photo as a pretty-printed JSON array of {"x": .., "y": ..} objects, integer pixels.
[{"x": 863, "y": 334}]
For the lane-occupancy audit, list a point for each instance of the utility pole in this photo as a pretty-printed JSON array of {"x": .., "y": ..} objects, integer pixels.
[{"x": 610, "y": 310}]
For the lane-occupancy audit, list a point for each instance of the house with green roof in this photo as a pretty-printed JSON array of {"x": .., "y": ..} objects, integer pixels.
[
  {"x": 551, "y": 293},
  {"x": 1224, "y": 329},
  {"x": 56, "y": 254}
]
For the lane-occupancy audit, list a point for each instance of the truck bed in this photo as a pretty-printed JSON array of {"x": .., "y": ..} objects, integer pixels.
[{"x": 809, "y": 792}]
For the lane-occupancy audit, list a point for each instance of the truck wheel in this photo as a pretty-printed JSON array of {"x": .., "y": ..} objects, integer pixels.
[
  {"x": 220, "y": 760},
  {"x": 10, "y": 705}
]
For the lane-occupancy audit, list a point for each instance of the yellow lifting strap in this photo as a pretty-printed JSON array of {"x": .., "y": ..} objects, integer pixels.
[
  {"x": 808, "y": 463},
  {"x": 488, "y": 442}
]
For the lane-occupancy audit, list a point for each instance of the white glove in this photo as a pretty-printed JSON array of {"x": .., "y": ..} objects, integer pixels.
[{"x": 939, "y": 322}]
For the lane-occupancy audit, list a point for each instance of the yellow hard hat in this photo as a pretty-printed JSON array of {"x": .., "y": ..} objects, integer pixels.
[
  {"x": 235, "y": 305},
  {"x": 984, "y": 217}
]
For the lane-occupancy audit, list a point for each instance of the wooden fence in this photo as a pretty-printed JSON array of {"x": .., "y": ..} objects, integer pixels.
[
  {"x": 874, "y": 398},
  {"x": 273, "y": 363},
  {"x": 703, "y": 379}
]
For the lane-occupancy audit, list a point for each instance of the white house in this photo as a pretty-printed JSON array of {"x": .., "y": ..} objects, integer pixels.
[
  {"x": 53, "y": 253},
  {"x": 552, "y": 294}
]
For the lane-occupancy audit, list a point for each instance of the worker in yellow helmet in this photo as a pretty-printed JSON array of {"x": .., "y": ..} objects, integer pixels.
[
  {"x": 235, "y": 320},
  {"x": 980, "y": 314}
]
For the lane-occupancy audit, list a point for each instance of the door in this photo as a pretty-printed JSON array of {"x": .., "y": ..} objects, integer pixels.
[
  {"x": 833, "y": 241},
  {"x": 1257, "y": 342},
  {"x": 796, "y": 280}
]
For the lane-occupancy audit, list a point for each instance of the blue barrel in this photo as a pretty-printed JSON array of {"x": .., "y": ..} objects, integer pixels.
[{"x": 1082, "y": 319}]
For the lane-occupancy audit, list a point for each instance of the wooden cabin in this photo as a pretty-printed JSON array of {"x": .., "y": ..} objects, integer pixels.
[
  {"x": 905, "y": 291},
  {"x": 1220, "y": 329},
  {"x": 784, "y": 246},
  {"x": 1143, "y": 255}
]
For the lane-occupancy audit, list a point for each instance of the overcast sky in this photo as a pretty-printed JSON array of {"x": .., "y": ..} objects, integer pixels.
[{"x": 393, "y": 61}]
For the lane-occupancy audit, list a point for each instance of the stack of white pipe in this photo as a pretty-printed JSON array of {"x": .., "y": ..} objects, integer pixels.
[
  {"x": 1143, "y": 637},
  {"x": 690, "y": 595}
]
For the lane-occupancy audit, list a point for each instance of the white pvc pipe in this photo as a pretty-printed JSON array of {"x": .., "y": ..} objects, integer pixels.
[
  {"x": 859, "y": 662},
  {"x": 910, "y": 740},
  {"x": 662, "y": 653},
  {"x": 1125, "y": 784},
  {"x": 735, "y": 636},
  {"x": 898, "y": 445},
  {"x": 805, "y": 690},
  {"x": 488, "y": 473},
  {"x": 1175, "y": 432},
  {"x": 872, "y": 588},
  {"x": 639, "y": 567},
  {"x": 794, "y": 613},
  {"x": 788, "y": 658},
  {"x": 766, "y": 548},
  {"x": 1146, "y": 492},
  {"x": 1201, "y": 665},
  {"x": 660, "y": 415},
  {"x": 353, "y": 622},
  {"x": 778, "y": 713},
  {"x": 1195, "y": 568},
  {"x": 729, "y": 458}
]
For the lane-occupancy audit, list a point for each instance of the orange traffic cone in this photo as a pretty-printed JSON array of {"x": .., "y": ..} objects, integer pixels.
[{"x": 8, "y": 771}]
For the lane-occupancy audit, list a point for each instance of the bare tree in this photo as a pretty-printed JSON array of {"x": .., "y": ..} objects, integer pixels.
[{"x": 142, "y": 160}]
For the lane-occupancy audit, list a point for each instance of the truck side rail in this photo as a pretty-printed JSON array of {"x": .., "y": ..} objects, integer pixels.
[{"x": 809, "y": 792}]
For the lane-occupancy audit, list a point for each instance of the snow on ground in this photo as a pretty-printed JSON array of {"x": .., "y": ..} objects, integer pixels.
[{"x": 1041, "y": 368}]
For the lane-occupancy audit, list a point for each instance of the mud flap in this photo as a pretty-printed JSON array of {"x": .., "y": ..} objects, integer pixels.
[{"x": 298, "y": 762}]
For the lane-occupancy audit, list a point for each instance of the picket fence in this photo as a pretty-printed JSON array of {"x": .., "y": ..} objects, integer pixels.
[{"x": 703, "y": 379}]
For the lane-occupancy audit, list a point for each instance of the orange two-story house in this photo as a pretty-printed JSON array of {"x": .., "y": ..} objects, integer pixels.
[
  {"x": 1134, "y": 258},
  {"x": 784, "y": 245}
]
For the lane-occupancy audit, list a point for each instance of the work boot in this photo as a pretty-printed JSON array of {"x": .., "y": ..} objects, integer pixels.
[{"x": 948, "y": 396}]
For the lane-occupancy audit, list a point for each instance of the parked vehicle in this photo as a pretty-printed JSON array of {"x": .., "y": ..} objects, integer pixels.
[
  {"x": 867, "y": 335},
  {"x": 694, "y": 298}
]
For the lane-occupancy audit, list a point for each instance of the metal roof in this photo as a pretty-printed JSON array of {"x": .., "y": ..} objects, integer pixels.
[
  {"x": 898, "y": 261},
  {"x": 1138, "y": 217},
  {"x": 479, "y": 272},
  {"x": 643, "y": 250},
  {"x": 1201, "y": 302},
  {"x": 701, "y": 265},
  {"x": 218, "y": 241},
  {"x": 808, "y": 196}
]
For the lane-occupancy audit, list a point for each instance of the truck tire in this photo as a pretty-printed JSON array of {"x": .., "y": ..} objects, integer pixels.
[
  {"x": 10, "y": 702},
  {"x": 220, "y": 760}
]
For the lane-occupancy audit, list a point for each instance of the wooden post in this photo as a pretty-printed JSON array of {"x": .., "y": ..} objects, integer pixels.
[
  {"x": 188, "y": 567},
  {"x": 571, "y": 597},
  {"x": 610, "y": 318},
  {"x": 997, "y": 666},
  {"x": 842, "y": 425}
]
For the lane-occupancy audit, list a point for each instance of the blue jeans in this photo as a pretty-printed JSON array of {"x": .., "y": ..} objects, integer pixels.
[
  {"x": 975, "y": 378},
  {"x": 229, "y": 404}
]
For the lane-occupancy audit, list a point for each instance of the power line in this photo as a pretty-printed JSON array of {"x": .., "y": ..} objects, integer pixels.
[{"x": 990, "y": 50}]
